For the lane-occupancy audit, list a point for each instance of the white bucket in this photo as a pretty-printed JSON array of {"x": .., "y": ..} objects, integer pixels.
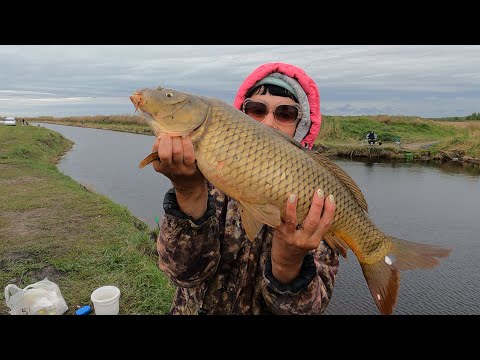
[{"x": 106, "y": 300}]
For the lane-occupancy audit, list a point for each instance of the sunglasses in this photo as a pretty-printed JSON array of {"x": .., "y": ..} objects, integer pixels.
[{"x": 283, "y": 114}]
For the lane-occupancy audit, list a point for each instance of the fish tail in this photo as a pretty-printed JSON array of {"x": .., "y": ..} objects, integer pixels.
[
  {"x": 383, "y": 277},
  {"x": 411, "y": 255}
]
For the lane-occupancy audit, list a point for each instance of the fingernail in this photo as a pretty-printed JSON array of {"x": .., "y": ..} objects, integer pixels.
[
  {"x": 184, "y": 136},
  {"x": 292, "y": 198},
  {"x": 320, "y": 193},
  {"x": 331, "y": 199}
]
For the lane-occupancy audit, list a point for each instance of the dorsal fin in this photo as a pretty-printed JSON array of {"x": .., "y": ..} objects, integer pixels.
[
  {"x": 342, "y": 176},
  {"x": 334, "y": 168}
]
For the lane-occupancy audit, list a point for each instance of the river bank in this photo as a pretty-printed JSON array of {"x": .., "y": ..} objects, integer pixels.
[
  {"x": 389, "y": 151},
  {"x": 344, "y": 136},
  {"x": 51, "y": 226}
]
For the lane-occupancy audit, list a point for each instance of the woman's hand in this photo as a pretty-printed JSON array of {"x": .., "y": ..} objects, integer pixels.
[
  {"x": 291, "y": 242},
  {"x": 177, "y": 162}
]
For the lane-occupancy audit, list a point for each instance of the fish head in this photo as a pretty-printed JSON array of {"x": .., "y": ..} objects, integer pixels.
[{"x": 171, "y": 112}]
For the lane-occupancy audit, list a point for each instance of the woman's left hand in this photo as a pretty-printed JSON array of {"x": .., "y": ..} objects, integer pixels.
[{"x": 291, "y": 242}]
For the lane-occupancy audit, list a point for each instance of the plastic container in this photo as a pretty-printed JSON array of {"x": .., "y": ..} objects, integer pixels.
[
  {"x": 106, "y": 300},
  {"x": 85, "y": 310}
]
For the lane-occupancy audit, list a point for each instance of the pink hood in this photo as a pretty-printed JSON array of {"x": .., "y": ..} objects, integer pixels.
[{"x": 305, "y": 81}]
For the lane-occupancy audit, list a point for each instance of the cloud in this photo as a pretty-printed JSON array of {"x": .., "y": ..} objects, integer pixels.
[{"x": 80, "y": 80}]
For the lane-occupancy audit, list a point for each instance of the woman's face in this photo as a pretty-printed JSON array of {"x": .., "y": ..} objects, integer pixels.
[{"x": 272, "y": 102}]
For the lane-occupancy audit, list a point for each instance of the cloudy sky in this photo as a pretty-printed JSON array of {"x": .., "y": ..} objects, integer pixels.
[{"x": 73, "y": 80}]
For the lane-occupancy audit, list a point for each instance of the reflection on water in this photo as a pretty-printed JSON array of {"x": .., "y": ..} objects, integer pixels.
[
  {"x": 448, "y": 167},
  {"x": 426, "y": 202},
  {"x": 455, "y": 167}
]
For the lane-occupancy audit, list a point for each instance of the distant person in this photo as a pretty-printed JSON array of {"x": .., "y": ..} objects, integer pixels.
[{"x": 371, "y": 137}]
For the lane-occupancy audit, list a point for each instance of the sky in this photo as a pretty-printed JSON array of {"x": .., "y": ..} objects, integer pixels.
[{"x": 87, "y": 80}]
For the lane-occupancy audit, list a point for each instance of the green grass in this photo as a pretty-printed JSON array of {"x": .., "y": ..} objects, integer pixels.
[
  {"x": 51, "y": 226},
  {"x": 346, "y": 133},
  {"x": 356, "y": 128}
]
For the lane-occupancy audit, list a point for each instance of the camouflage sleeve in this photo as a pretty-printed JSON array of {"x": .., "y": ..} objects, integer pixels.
[
  {"x": 188, "y": 249},
  {"x": 310, "y": 292}
]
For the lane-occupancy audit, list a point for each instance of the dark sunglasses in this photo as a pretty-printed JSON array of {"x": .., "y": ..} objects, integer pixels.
[{"x": 283, "y": 114}]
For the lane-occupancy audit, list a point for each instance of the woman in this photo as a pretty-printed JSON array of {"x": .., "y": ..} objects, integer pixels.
[{"x": 202, "y": 246}]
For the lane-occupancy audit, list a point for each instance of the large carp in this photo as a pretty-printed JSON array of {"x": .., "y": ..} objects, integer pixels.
[{"x": 260, "y": 167}]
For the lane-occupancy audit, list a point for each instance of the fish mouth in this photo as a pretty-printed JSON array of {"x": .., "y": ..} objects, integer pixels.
[{"x": 137, "y": 99}]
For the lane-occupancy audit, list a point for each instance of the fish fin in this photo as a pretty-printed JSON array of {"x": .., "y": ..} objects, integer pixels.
[
  {"x": 411, "y": 255},
  {"x": 267, "y": 214},
  {"x": 152, "y": 157},
  {"x": 251, "y": 225},
  {"x": 383, "y": 281},
  {"x": 384, "y": 275},
  {"x": 336, "y": 243},
  {"x": 255, "y": 215},
  {"x": 342, "y": 175}
]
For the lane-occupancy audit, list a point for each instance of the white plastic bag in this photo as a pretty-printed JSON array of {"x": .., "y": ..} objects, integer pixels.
[{"x": 42, "y": 298}]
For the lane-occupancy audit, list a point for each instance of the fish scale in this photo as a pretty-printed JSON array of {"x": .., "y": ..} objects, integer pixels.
[
  {"x": 264, "y": 157},
  {"x": 260, "y": 167}
]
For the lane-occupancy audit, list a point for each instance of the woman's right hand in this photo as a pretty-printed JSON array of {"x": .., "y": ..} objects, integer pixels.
[{"x": 177, "y": 162}]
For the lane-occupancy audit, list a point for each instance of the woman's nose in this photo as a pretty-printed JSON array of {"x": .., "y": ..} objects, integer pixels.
[{"x": 269, "y": 119}]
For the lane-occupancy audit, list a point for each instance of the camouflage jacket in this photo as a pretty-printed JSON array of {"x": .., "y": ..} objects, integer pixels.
[{"x": 218, "y": 270}]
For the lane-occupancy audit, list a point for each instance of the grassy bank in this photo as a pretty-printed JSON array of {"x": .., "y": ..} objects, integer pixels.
[
  {"x": 51, "y": 226},
  {"x": 126, "y": 123},
  {"x": 422, "y": 137},
  {"x": 345, "y": 135}
]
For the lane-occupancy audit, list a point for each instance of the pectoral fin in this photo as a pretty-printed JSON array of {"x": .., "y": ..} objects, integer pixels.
[
  {"x": 152, "y": 157},
  {"x": 255, "y": 215}
]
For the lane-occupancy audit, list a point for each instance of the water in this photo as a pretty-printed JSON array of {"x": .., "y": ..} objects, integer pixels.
[
  {"x": 427, "y": 203},
  {"x": 107, "y": 162},
  {"x": 424, "y": 202}
]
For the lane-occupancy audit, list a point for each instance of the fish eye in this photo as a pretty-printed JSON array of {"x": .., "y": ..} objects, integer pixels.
[{"x": 169, "y": 94}]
